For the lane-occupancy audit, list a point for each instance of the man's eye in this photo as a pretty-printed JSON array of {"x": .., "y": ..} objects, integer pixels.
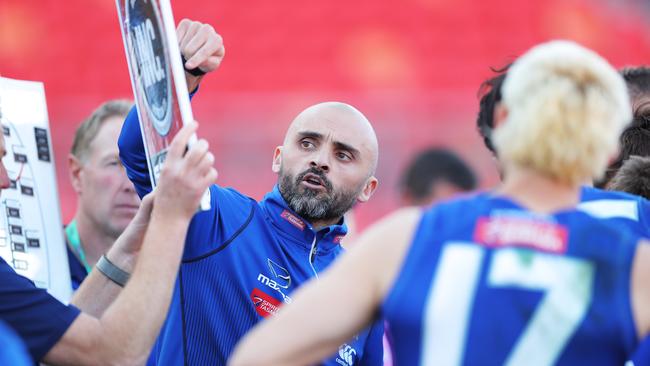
[
  {"x": 306, "y": 144},
  {"x": 344, "y": 156}
]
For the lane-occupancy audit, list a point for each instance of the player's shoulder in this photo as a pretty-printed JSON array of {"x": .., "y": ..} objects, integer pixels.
[
  {"x": 457, "y": 213},
  {"x": 458, "y": 201},
  {"x": 604, "y": 238},
  {"x": 605, "y": 204},
  {"x": 462, "y": 205},
  {"x": 592, "y": 194}
]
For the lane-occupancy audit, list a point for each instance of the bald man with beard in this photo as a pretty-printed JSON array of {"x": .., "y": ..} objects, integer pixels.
[{"x": 244, "y": 259}]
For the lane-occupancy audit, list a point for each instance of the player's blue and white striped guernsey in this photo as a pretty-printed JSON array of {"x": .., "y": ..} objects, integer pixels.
[
  {"x": 619, "y": 208},
  {"x": 485, "y": 282},
  {"x": 623, "y": 210}
]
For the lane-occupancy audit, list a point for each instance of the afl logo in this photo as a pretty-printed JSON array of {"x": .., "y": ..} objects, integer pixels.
[{"x": 152, "y": 66}]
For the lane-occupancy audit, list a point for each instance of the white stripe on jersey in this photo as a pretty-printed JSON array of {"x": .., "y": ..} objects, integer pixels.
[{"x": 607, "y": 209}]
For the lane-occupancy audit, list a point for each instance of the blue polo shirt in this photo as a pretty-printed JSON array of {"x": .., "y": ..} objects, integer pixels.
[
  {"x": 38, "y": 318},
  {"x": 242, "y": 261}
]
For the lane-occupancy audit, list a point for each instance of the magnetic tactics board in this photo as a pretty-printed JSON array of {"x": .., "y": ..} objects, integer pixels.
[{"x": 31, "y": 231}]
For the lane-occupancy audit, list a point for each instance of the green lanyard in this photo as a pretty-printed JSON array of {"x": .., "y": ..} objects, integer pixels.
[{"x": 73, "y": 238}]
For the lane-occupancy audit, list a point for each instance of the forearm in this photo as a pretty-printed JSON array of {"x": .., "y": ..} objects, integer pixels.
[
  {"x": 141, "y": 309},
  {"x": 126, "y": 331},
  {"x": 97, "y": 292}
]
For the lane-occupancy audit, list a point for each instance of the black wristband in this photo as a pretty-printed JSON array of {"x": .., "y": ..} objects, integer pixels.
[
  {"x": 195, "y": 71},
  {"x": 111, "y": 271}
]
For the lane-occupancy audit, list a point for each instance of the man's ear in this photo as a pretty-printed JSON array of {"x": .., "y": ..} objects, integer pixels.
[
  {"x": 277, "y": 160},
  {"x": 75, "y": 171},
  {"x": 500, "y": 115},
  {"x": 368, "y": 189}
]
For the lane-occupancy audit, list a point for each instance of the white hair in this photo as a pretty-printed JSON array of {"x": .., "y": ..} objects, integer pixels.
[{"x": 566, "y": 109}]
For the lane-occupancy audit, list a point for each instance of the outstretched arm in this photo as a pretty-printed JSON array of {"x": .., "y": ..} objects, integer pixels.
[
  {"x": 126, "y": 331},
  {"x": 203, "y": 48},
  {"x": 296, "y": 337}
]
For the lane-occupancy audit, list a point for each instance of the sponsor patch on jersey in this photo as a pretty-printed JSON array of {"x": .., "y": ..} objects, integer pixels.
[
  {"x": 293, "y": 219},
  {"x": 347, "y": 355},
  {"x": 265, "y": 305},
  {"x": 521, "y": 231}
]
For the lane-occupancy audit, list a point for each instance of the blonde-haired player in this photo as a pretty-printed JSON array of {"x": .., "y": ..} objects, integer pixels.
[
  {"x": 513, "y": 276},
  {"x": 571, "y": 99}
]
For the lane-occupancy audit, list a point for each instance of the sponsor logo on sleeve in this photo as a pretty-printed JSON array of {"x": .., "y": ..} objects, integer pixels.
[{"x": 265, "y": 305}]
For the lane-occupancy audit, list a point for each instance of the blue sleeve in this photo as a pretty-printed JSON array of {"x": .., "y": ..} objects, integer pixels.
[
  {"x": 132, "y": 154},
  {"x": 39, "y": 319},
  {"x": 644, "y": 215},
  {"x": 373, "y": 352},
  {"x": 13, "y": 351},
  {"x": 229, "y": 212},
  {"x": 208, "y": 229}
]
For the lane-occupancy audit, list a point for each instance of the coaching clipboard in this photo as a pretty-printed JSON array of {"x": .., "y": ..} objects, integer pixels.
[
  {"x": 31, "y": 231},
  {"x": 157, "y": 77}
]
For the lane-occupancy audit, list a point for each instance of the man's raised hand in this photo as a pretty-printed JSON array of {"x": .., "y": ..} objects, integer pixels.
[
  {"x": 201, "y": 46},
  {"x": 185, "y": 175}
]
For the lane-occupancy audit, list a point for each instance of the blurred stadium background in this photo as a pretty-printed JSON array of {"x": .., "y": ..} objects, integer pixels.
[{"x": 412, "y": 66}]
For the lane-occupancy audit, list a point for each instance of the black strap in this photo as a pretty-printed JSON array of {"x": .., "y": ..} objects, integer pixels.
[{"x": 195, "y": 71}]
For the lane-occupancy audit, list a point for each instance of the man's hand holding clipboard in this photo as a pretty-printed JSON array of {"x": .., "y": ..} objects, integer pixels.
[
  {"x": 202, "y": 50},
  {"x": 166, "y": 64}
]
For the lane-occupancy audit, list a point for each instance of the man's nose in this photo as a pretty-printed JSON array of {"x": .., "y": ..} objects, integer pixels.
[
  {"x": 321, "y": 161},
  {"x": 127, "y": 185}
]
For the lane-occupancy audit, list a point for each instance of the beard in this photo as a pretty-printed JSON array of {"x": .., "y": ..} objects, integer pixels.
[{"x": 316, "y": 205}]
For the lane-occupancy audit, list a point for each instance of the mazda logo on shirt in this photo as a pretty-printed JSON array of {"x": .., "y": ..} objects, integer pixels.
[
  {"x": 280, "y": 274},
  {"x": 278, "y": 280}
]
